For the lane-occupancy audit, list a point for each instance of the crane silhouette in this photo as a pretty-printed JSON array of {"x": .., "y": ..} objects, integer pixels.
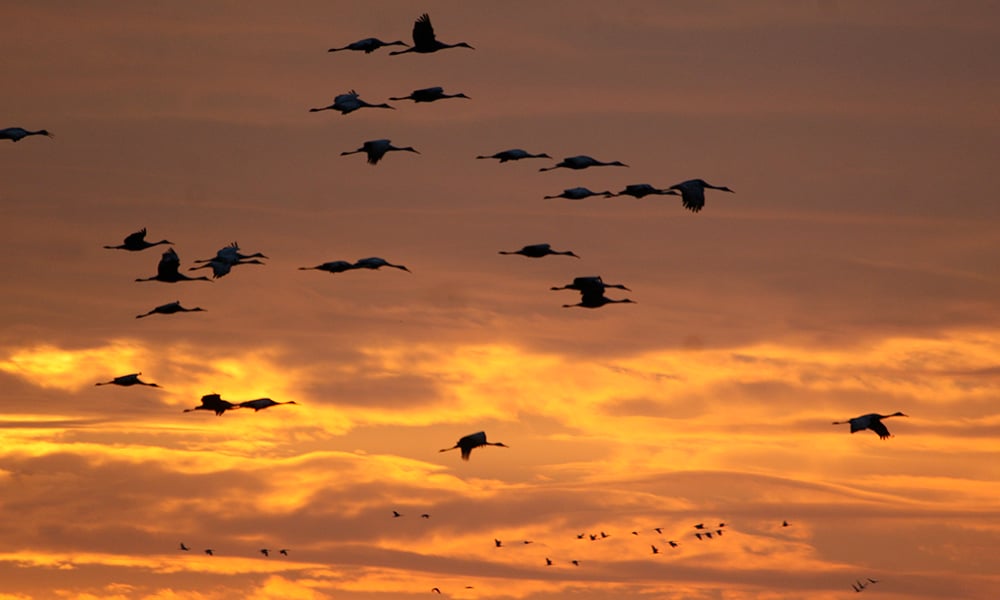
[
  {"x": 265, "y": 552},
  {"x": 16, "y": 134},
  {"x": 222, "y": 268},
  {"x": 231, "y": 253},
  {"x": 214, "y": 403},
  {"x": 514, "y": 154},
  {"x": 184, "y": 548},
  {"x": 367, "y": 45},
  {"x": 871, "y": 421},
  {"x": 693, "y": 192},
  {"x": 262, "y": 403},
  {"x": 579, "y": 193},
  {"x": 424, "y": 40},
  {"x": 136, "y": 241},
  {"x": 348, "y": 103},
  {"x": 169, "y": 309},
  {"x": 429, "y": 95},
  {"x": 538, "y": 251},
  {"x": 582, "y": 162},
  {"x": 374, "y": 262},
  {"x": 334, "y": 266},
  {"x": 641, "y": 190},
  {"x": 376, "y": 149},
  {"x": 590, "y": 284},
  {"x": 167, "y": 270},
  {"x": 127, "y": 380},
  {"x": 473, "y": 440}
]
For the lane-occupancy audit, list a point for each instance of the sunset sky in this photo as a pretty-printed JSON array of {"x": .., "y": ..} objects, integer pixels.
[{"x": 854, "y": 270}]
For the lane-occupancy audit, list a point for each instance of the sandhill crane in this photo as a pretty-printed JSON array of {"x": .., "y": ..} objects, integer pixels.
[
  {"x": 473, "y": 440},
  {"x": 656, "y": 529},
  {"x": 580, "y": 536},
  {"x": 335, "y": 266},
  {"x": 784, "y": 524},
  {"x": 136, "y": 241},
  {"x": 641, "y": 190},
  {"x": 231, "y": 254},
  {"x": 214, "y": 403},
  {"x": 376, "y": 149},
  {"x": 699, "y": 526},
  {"x": 436, "y": 590},
  {"x": 167, "y": 270},
  {"x": 425, "y": 516},
  {"x": 348, "y": 103},
  {"x": 673, "y": 544},
  {"x": 424, "y": 40},
  {"x": 579, "y": 193},
  {"x": 698, "y": 535},
  {"x": 538, "y": 251},
  {"x": 396, "y": 514},
  {"x": 871, "y": 421},
  {"x": 169, "y": 309},
  {"x": 655, "y": 549},
  {"x": 693, "y": 192},
  {"x": 184, "y": 548},
  {"x": 576, "y": 563},
  {"x": 430, "y": 95},
  {"x": 593, "y": 537},
  {"x": 497, "y": 543},
  {"x": 367, "y": 45},
  {"x": 209, "y": 552},
  {"x": 221, "y": 268},
  {"x": 262, "y": 403},
  {"x": 590, "y": 284},
  {"x": 265, "y": 552},
  {"x": 548, "y": 562},
  {"x": 597, "y": 300},
  {"x": 16, "y": 134},
  {"x": 127, "y": 380},
  {"x": 283, "y": 552},
  {"x": 583, "y": 162},
  {"x": 374, "y": 262},
  {"x": 514, "y": 154}
]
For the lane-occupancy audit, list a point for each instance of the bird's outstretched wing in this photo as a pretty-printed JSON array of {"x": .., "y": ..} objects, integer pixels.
[
  {"x": 879, "y": 428},
  {"x": 423, "y": 31},
  {"x": 135, "y": 238}
]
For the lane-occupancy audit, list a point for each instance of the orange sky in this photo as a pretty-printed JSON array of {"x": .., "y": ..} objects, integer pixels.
[{"x": 853, "y": 271}]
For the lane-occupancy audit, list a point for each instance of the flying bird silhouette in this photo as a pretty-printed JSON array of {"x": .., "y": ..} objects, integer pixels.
[
  {"x": 367, "y": 45},
  {"x": 538, "y": 251},
  {"x": 578, "y": 193},
  {"x": 335, "y": 266},
  {"x": 231, "y": 254},
  {"x": 582, "y": 162},
  {"x": 283, "y": 552},
  {"x": 693, "y": 192},
  {"x": 591, "y": 284},
  {"x": 374, "y": 262},
  {"x": 209, "y": 552},
  {"x": 376, "y": 149},
  {"x": 429, "y": 95},
  {"x": 169, "y": 309},
  {"x": 127, "y": 380},
  {"x": 168, "y": 271},
  {"x": 348, "y": 103},
  {"x": 641, "y": 190},
  {"x": 136, "y": 241},
  {"x": 514, "y": 154},
  {"x": 262, "y": 403},
  {"x": 473, "y": 440},
  {"x": 16, "y": 134},
  {"x": 214, "y": 403},
  {"x": 265, "y": 552},
  {"x": 184, "y": 548},
  {"x": 424, "y": 40},
  {"x": 871, "y": 421}
]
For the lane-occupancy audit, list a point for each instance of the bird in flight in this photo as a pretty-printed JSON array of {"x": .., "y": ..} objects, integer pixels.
[
  {"x": 265, "y": 552},
  {"x": 473, "y": 440},
  {"x": 376, "y": 149},
  {"x": 127, "y": 380},
  {"x": 497, "y": 543},
  {"x": 334, "y": 266},
  {"x": 591, "y": 284},
  {"x": 641, "y": 190},
  {"x": 348, "y": 103},
  {"x": 367, "y": 45},
  {"x": 693, "y": 192},
  {"x": 871, "y": 421},
  {"x": 514, "y": 154},
  {"x": 136, "y": 241},
  {"x": 184, "y": 548},
  {"x": 214, "y": 403},
  {"x": 538, "y": 251},
  {"x": 424, "y": 40},
  {"x": 430, "y": 95},
  {"x": 262, "y": 403},
  {"x": 597, "y": 300},
  {"x": 168, "y": 271},
  {"x": 582, "y": 162},
  {"x": 283, "y": 552},
  {"x": 226, "y": 258},
  {"x": 16, "y": 134},
  {"x": 374, "y": 262},
  {"x": 578, "y": 193},
  {"x": 396, "y": 514},
  {"x": 169, "y": 309},
  {"x": 209, "y": 552}
]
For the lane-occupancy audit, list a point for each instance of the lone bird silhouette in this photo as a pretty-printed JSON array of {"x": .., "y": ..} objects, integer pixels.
[
  {"x": 16, "y": 134},
  {"x": 641, "y": 190},
  {"x": 367, "y": 45},
  {"x": 262, "y": 403},
  {"x": 473, "y": 440},
  {"x": 184, "y": 548},
  {"x": 871, "y": 421},
  {"x": 214, "y": 403},
  {"x": 582, "y": 162},
  {"x": 265, "y": 552},
  {"x": 348, "y": 103},
  {"x": 374, "y": 262},
  {"x": 424, "y": 40},
  {"x": 134, "y": 242},
  {"x": 579, "y": 193},
  {"x": 169, "y": 309},
  {"x": 514, "y": 154},
  {"x": 376, "y": 149},
  {"x": 127, "y": 380},
  {"x": 538, "y": 251},
  {"x": 429, "y": 95},
  {"x": 693, "y": 192},
  {"x": 168, "y": 270}
]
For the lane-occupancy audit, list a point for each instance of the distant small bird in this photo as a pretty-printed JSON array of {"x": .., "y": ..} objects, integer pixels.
[
  {"x": 424, "y": 40},
  {"x": 471, "y": 441},
  {"x": 597, "y": 300},
  {"x": 548, "y": 562},
  {"x": 262, "y": 403},
  {"x": 655, "y": 549},
  {"x": 184, "y": 548},
  {"x": 871, "y": 421},
  {"x": 708, "y": 534},
  {"x": 580, "y": 536},
  {"x": 265, "y": 552},
  {"x": 367, "y": 45},
  {"x": 718, "y": 532},
  {"x": 425, "y": 516},
  {"x": 16, "y": 134},
  {"x": 376, "y": 149},
  {"x": 214, "y": 403},
  {"x": 497, "y": 543},
  {"x": 283, "y": 552},
  {"x": 527, "y": 542},
  {"x": 169, "y": 309},
  {"x": 396, "y": 514},
  {"x": 693, "y": 193},
  {"x": 576, "y": 563},
  {"x": 673, "y": 544},
  {"x": 429, "y": 95},
  {"x": 209, "y": 552},
  {"x": 635, "y": 533},
  {"x": 578, "y": 193},
  {"x": 699, "y": 526},
  {"x": 514, "y": 154},
  {"x": 374, "y": 262},
  {"x": 641, "y": 190},
  {"x": 604, "y": 535},
  {"x": 593, "y": 537},
  {"x": 136, "y": 241},
  {"x": 590, "y": 284},
  {"x": 784, "y": 523},
  {"x": 582, "y": 162},
  {"x": 127, "y": 380},
  {"x": 436, "y": 590},
  {"x": 538, "y": 251},
  {"x": 167, "y": 270},
  {"x": 722, "y": 524},
  {"x": 698, "y": 535},
  {"x": 335, "y": 266},
  {"x": 658, "y": 529},
  {"x": 349, "y": 102},
  {"x": 857, "y": 587}
]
